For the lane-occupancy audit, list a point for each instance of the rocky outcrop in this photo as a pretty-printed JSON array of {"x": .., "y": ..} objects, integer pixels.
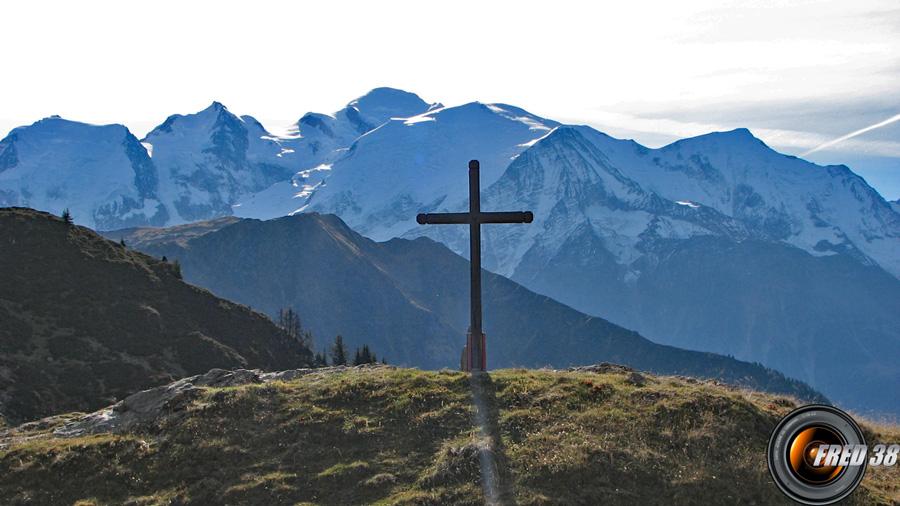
[{"x": 141, "y": 411}]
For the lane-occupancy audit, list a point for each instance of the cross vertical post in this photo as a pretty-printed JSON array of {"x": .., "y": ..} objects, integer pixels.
[
  {"x": 474, "y": 357},
  {"x": 476, "y": 336}
]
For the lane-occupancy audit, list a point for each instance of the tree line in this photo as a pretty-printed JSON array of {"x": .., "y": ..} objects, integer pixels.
[{"x": 336, "y": 354}]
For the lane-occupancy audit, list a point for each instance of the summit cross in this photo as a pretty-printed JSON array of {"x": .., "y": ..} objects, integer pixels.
[{"x": 474, "y": 356}]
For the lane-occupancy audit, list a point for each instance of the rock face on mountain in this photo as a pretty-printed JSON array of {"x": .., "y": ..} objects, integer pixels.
[
  {"x": 409, "y": 299},
  {"x": 84, "y": 320}
]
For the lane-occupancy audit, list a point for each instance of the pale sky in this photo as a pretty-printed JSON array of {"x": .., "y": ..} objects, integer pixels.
[{"x": 797, "y": 73}]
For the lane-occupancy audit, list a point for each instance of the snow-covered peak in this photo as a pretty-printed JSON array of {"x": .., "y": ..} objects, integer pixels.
[
  {"x": 478, "y": 112},
  {"x": 54, "y": 139},
  {"x": 200, "y": 123},
  {"x": 101, "y": 173},
  {"x": 63, "y": 130},
  {"x": 382, "y": 104},
  {"x": 321, "y": 124},
  {"x": 569, "y": 163},
  {"x": 318, "y": 138},
  {"x": 821, "y": 209},
  {"x": 734, "y": 137},
  {"x": 731, "y": 184},
  {"x": 362, "y": 115},
  {"x": 210, "y": 159},
  {"x": 419, "y": 163}
]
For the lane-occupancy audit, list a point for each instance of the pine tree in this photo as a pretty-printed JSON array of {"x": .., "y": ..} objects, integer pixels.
[
  {"x": 164, "y": 259},
  {"x": 364, "y": 355},
  {"x": 67, "y": 217},
  {"x": 122, "y": 242},
  {"x": 338, "y": 351},
  {"x": 290, "y": 323},
  {"x": 320, "y": 360},
  {"x": 307, "y": 339}
]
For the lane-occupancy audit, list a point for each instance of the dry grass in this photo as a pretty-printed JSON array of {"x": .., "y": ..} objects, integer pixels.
[{"x": 399, "y": 436}]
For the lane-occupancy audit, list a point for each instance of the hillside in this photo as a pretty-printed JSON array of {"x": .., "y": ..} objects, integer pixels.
[
  {"x": 84, "y": 321},
  {"x": 380, "y": 435},
  {"x": 409, "y": 299}
]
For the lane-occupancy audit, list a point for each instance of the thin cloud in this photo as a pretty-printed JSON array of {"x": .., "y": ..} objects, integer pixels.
[{"x": 892, "y": 119}]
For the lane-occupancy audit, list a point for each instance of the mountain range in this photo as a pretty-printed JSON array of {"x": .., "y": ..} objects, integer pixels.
[
  {"x": 191, "y": 167},
  {"x": 714, "y": 243}
]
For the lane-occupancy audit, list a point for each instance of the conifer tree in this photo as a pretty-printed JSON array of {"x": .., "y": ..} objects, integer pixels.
[
  {"x": 290, "y": 323},
  {"x": 67, "y": 217},
  {"x": 357, "y": 358},
  {"x": 122, "y": 242},
  {"x": 338, "y": 351}
]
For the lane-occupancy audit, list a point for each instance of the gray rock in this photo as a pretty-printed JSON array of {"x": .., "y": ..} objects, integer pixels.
[{"x": 143, "y": 410}]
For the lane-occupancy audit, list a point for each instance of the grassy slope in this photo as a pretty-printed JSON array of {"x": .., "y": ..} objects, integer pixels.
[
  {"x": 84, "y": 321},
  {"x": 401, "y": 436}
]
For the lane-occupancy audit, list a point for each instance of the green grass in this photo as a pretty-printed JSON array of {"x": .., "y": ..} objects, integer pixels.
[{"x": 402, "y": 437}]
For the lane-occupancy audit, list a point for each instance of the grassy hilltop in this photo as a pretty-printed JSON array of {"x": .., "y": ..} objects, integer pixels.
[{"x": 381, "y": 435}]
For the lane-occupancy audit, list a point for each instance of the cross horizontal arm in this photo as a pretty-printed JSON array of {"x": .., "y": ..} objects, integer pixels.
[
  {"x": 506, "y": 217},
  {"x": 461, "y": 218},
  {"x": 442, "y": 218}
]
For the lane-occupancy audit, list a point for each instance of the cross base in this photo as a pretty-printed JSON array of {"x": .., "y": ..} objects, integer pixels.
[{"x": 474, "y": 356}]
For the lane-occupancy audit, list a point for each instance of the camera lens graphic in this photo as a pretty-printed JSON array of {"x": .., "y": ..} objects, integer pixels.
[
  {"x": 796, "y": 443},
  {"x": 804, "y": 448}
]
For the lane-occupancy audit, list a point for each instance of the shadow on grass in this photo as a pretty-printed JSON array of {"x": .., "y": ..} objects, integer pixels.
[{"x": 495, "y": 476}]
